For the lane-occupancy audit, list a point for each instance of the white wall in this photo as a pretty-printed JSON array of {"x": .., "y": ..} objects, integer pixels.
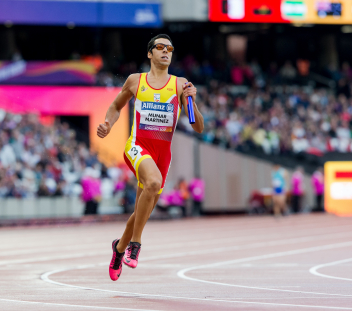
[
  {"x": 185, "y": 10},
  {"x": 230, "y": 177}
]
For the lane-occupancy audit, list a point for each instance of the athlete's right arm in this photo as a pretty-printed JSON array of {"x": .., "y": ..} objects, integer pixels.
[{"x": 113, "y": 113}]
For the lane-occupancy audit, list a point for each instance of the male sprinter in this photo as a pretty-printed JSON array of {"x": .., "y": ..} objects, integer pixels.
[{"x": 159, "y": 98}]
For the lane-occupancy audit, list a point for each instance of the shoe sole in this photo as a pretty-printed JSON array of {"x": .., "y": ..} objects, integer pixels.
[{"x": 128, "y": 265}]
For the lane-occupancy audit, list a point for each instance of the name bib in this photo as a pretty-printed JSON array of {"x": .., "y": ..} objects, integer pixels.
[{"x": 156, "y": 116}]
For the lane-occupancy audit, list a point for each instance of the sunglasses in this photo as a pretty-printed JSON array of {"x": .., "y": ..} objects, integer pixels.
[{"x": 161, "y": 46}]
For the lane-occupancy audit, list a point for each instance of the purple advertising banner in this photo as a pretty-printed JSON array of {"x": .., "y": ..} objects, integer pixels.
[{"x": 47, "y": 72}]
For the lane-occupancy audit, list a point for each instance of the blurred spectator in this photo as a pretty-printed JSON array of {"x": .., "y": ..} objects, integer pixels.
[
  {"x": 183, "y": 188},
  {"x": 288, "y": 72},
  {"x": 297, "y": 192},
  {"x": 181, "y": 192},
  {"x": 7, "y": 156},
  {"x": 91, "y": 193},
  {"x": 59, "y": 189},
  {"x": 145, "y": 67},
  {"x": 278, "y": 180},
  {"x": 16, "y": 56},
  {"x": 197, "y": 189},
  {"x": 177, "y": 197},
  {"x": 303, "y": 67},
  {"x": 129, "y": 199},
  {"x": 172, "y": 198},
  {"x": 241, "y": 74},
  {"x": 43, "y": 190},
  {"x": 318, "y": 188}
]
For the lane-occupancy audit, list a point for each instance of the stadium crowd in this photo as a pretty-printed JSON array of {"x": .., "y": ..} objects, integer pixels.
[
  {"x": 278, "y": 119},
  {"x": 280, "y": 112},
  {"x": 39, "y": 160}
]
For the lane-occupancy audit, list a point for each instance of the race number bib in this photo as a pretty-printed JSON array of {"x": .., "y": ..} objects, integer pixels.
[
  {"x": 134, "y": 151},
  {"x": 156, "y": 116}
]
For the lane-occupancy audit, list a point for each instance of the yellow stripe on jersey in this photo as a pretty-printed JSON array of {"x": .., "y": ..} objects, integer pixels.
[{"x": 147, "y": 93}]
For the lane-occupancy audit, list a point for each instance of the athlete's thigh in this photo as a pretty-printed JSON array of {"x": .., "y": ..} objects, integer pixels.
[
  {"x": 164, "y": 166},
  {"x": 134, "y": 154},
  {"x": 148, "y": 170}
]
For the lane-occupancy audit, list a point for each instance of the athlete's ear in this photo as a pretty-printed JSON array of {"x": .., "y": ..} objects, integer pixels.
[{"x": 150, "y": 54}]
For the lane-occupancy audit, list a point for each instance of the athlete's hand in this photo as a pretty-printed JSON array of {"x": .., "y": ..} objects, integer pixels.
[
  {"x": 189, "y": 90},
  {"x": 103, "y": 129}
]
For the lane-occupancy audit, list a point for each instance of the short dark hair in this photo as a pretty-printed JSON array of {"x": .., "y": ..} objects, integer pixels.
[{"x": 152, "y": 40}]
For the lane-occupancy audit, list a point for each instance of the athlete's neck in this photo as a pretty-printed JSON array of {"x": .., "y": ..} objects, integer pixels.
[{"x": 158, "y": 73}]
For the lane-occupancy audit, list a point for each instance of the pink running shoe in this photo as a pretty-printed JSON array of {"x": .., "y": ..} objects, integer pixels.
[
  {"x": 127, "y": 253},
  {"x": 131, "y": 254},
  {"x": 115, "y": 267}
]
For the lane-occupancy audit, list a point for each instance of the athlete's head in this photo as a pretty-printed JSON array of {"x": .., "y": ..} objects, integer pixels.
[
  {"x": 160, "y": 50},
  {"x": 276, "y": 166}
]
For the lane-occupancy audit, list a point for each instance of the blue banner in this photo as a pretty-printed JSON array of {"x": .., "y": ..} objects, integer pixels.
[{"x": 81, "y": 13}]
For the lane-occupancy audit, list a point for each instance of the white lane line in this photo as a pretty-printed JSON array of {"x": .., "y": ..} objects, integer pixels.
[
  {"x": 282, "y": 286},
  {"x": 188, "y": 253},
  {"x": 182, "y": 273},
  {"x": 45, "y": 277},
  {"x": 67, "y": 305},
  {"x": 314, "y": 269}
]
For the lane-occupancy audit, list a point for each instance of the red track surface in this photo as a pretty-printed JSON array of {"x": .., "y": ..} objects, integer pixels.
[{"x": 220, "y": 263}]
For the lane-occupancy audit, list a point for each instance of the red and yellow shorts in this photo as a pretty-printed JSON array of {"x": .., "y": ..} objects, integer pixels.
[{"x": 140, "y": 149}]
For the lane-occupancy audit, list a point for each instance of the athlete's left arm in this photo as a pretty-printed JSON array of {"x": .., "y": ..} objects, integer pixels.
[{"x": 187, "y": 89}]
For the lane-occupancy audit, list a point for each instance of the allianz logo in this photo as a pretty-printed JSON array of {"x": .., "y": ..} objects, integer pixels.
[{"x": 146, "y": 105}]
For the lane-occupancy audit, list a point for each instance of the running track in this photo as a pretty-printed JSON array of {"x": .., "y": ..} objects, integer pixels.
[{"x": 213, "y": 263}]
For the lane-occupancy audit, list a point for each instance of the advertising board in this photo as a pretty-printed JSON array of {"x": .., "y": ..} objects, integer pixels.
[
  {"x": 281, "y": 11},
  {"x": 81, "y": 13},
  {"x": 338, "y": 188},
  {"x": 75, "y": 101}
]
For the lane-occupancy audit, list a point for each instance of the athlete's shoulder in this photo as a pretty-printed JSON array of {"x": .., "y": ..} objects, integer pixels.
[
  {"x": 133, "y": 78},
  {"x": 180, "y": 81},
  {"x": 131, "y": 83}
]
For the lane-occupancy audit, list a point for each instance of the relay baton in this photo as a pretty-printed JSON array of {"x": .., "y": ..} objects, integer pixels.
[{"x": 191, "y": 117}]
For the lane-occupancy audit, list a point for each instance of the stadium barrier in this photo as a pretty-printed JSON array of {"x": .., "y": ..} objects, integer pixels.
[
  {"x": 13, "y": 208},
  {"x": 230, "y": 177},
  {"x": 16, "y": 208}
]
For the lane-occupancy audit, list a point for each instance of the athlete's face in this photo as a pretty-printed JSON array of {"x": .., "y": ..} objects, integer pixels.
[{"x": 162, "y": 57}]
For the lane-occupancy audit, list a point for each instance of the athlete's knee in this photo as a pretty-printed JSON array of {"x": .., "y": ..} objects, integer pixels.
[{"x": 152, "y": 185}]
